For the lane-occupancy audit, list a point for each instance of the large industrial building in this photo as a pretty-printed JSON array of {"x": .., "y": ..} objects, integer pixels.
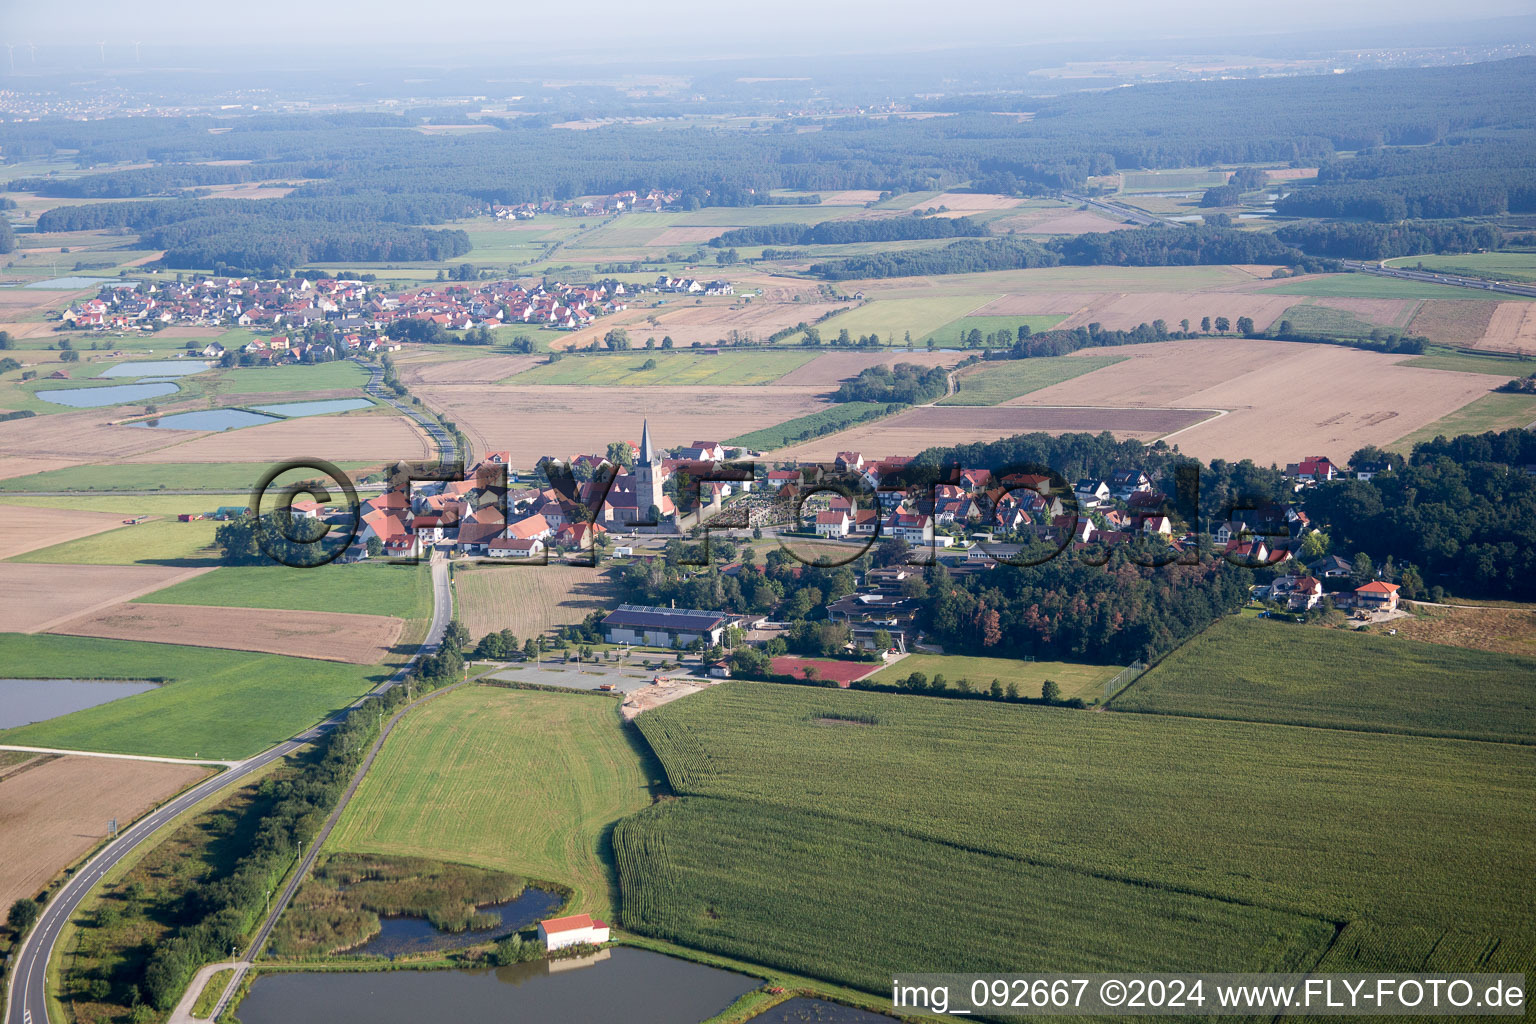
[{"x": 664, "y": 627}]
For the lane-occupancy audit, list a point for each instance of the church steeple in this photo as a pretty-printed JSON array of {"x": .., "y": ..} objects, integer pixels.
[{"x": 647, "y": 457}]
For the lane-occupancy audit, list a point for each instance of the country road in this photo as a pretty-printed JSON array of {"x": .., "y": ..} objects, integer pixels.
[{"x": 26, "y": 1002}]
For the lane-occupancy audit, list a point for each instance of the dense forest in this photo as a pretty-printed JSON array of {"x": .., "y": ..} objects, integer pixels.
[
  {"x": 1367, "y": 241},
  {"x": 885, "y": 229},
  {"x": 904, "y": 382}
]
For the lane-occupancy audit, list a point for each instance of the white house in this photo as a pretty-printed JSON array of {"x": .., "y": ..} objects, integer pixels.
[
  {"x": 832, "y": 524},
  {"x": 578, "y": 929}
]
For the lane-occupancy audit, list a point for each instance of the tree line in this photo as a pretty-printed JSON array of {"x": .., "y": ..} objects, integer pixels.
[
  {"x": 905, "y": 383},
  {"x": 884, "y": 229}
]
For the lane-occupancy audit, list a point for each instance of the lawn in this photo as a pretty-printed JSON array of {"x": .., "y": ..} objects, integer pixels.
[
  {"x": 1491, "y": 412},
  {"x": 515, "y": 780},
  {"x": 627, "y": 369},
  {"x": 150, "y": 476},
  {"x": 1373, "y": 286},
  {"x": 1253, "y": 670},
  {"x": 835, "y": 417},
  {"x": 404, "y": 591},
  {"x": 952, "y": 335},
  {"x": 1510, "y": 265},
  {"x": 893, "y": 319},
  {"x": 1317, "y": 822},
  {"x": 219, "y": 704},
  {"x": 343, "y": 373},
  {"x": 1075, "y": 680},
  {"x": 160, "y": 541},
  {"x": 997, "y": 382}
]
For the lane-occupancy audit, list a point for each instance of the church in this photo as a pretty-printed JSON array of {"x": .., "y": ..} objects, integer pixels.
[{"x": 636, "y": 492}]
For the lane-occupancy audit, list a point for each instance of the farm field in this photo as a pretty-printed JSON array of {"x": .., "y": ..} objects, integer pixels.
[
  {"x": 1075, "y": 680},
  {"x": 722, "y": 321},
  {"x": 1511, "y": 328},
  {"x": 56, "y": 809},
  {"x": 231, "y": 477},
  {"x": 894, "y": 318},
  {"x": 582, "y": 419},
  {"x": 1491, "y": 412},
  {"x": 1506, "y": 630},
  {"x": 1337, "y": 839},
  {"x": 626, "y": 369},
  {"x": 1368, "y": 286},
  {"x": 834, "y": 417},
  {"x": 25, "y": 528},
  {"x": 159, "y": 541},
  {"x": 259, "y": 380},
  {"x": 402, "y": 591},
  {"x": 528, "y": 599},
  {"x": 830, "y": 368},
  {"x": 1253, "y": 670},
  {"x": 1495, "y": 365},
  {"x": 477, "y": 369},
  {"x": 217, "y": 704},
  {"x": 515, "y": 780},
  {"x": 335, "y": 438},
  {"x": 953, "y": 334},
  {"x": 1464, "y": 322},
  {"x": 1353, "y": 397},
  {"x": 997, "y": 382},
  {"x": 327, "y": 636},
  {"x": 933, "y": 426},
  {"x": 1118, "y": 311},
  {"x": 34, "y": 598},
  {"x": 784, "y": 886},
  {"x": 1347, "y": 318},
  {"x": 73, "y": 437}
]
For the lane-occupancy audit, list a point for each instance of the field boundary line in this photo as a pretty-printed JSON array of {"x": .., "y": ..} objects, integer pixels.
[
  {"x": 120, "y": 757},
  {"x": 123, "y": 598}
]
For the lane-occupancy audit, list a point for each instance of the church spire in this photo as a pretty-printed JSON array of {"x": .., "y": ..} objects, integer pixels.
[{"x": 646, "y": 455}]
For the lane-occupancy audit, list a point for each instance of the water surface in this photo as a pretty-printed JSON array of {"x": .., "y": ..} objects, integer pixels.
[
  {"x": 616, "y": 986},
  {"x": 36, "y": 700},
  {"x": 401, "y": 935},
  {"x": 801, "y": 1010},
  {"x": 70, "y": 283},
  {"x": 314, "y": 408},
  {"x": 112, "y": 394},
  {"x": 155, "y": 368},
  {"x": 208, "y": 419}
]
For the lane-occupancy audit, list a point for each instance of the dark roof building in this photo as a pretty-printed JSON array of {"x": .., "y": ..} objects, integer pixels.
[{"x": 664, "y": 627}]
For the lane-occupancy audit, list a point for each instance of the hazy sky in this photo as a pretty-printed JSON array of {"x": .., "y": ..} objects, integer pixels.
[{"x": 662, "y": 28}]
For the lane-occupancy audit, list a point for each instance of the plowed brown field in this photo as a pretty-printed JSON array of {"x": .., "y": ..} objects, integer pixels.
[
  {"x": 34, "y": 597},
  {"x": 338, "y": 438},
  {"x": 23, "y": 528}
]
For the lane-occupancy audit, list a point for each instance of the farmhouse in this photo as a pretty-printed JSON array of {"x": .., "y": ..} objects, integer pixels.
[
  {"x": 578, "y": 929},
  {"x": 664, "y": 627},
  {"x": 1377, "y": 596}
]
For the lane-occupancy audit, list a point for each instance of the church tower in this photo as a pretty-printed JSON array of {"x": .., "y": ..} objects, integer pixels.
[{"x": 647, "y": 493}]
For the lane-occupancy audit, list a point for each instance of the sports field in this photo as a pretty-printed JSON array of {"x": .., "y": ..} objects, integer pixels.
[
  {"x": 644, "y": 367},
  {"x": 1253, "y": 670},
  {"x": 516, "y": 780},
  {"x": 218, "y": 704},
  {"x": 997, "y": 382},
  {"x": 1075, "y": 680}
]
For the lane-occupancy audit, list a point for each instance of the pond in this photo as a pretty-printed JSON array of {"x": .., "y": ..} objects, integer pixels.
[
  {"x": 113, "y": 394},
  {"x": 156, "y": 368},
  {"x": 632, "y": 986},
  {"x": 70, "y": 283},
  {"x": 801, "y": 1010},
  {"x": 402, "y": 935},
  {"x": 314, "y": 408},
  {"x": 37, "y": 700},
  {"x": 208, "y": 419}
]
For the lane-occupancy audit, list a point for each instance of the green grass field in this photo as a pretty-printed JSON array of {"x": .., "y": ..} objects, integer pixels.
[
  {"x": 219, "y": 704},
  {"x": 672, "y": 368},
  {"x": 1076, "y": 680},
  {"x": 343, "y": 373},
  {"x": 1510, "y": 265},
  {"x": 997, "y": 382},
  {"x": 1313, "y": 318},
  {"x": 516, "y": 780},
  {"x": 892, "y": 319},
  {"x": 1253, "y": 670},
  {"x": 1491, "y": 412},
  {"x": 1473, "y": 362},
  {"x": 952, "y": 335},
  {"x": 404, "y": 591},
  {"x": 835, "y": 417},
  {"x": 160, "y": 542},
  {"x": 1370, "y": 286},
  {"x": 230, "y": 477},
  {"x": 1317, "y": 822}
]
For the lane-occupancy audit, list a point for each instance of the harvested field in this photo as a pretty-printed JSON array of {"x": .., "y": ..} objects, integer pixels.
[
  {"x": 934, "y": 426},
  {"x": 528, "y": 599},
  {"x": 827, "y": 370},
  {"x": 850, "y": 197},
  {"x": 328, "y": 636},
  {"x": 66, "y": 435},
  {"x": 34, "y": 597},
  {"x": 961, "y": 203},
  {"x": 23, "y": 528},
  {"x": 1504, "y": 630},
  {"x": 55, "y": 812},
  {"x": 1117, "y": 311},
  {"x": 1352, "y": 397},
  {"x": 340, "y": 439},
  {"x": 486, "y": 370},
  {"x": 1384, "y": 312},
  {"x": 534, "y": 421},
  {"x": 1078, "y": 222},
  {"x": 685, "y": 236},
  {"x": 1042, "y": 304},
  {"x": 1290, "y": 173},
  {"x": 710, "y": 325},
  {"x": 1512, "y": 328},
  {"x": 1460, "y": 321}
]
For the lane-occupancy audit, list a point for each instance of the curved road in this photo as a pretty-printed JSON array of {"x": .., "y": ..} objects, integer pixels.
[{"x": 25, "y": 999}]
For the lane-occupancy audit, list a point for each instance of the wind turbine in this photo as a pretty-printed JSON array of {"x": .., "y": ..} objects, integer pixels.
[
  {"x": 135, "y": 52},
  {"x": 10, "y": 52},
  {"x": 32, "y": 49},
  {"x": 103, "y": 46}
]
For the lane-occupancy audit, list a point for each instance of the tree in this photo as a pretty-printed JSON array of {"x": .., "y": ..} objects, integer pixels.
[
  {"x": 1205, "y": 325},
  {"x": 23, "y": 913},
  {"x": 1223, "y": 325},
  {"x": 1314, "y": 545},
  {"x": 617, "y": 339},
  {"x": 375, "y": 547},
  {"x": 530, "y": 649},
  {"x": 882, "y": 640},
  {"x": 1245, "y": 326},
  {"x": 621, "y": 454},
  {"x": 1364, "y": 568},
  {"x": 1184, "y": 325},
  {"x": 1050, "y": 692},
  {"x": 666, "y": 342}
]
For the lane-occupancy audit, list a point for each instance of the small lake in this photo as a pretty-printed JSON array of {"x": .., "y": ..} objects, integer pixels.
[
  {"x": 801, "y": 1010},
  {"x": 402, "y": 935},
  {"x": 36, "y": 700},
  {"x": 208, "y": 419},
  {"x": 156, "y": 368},
  {"x": 616, "y": 986},
  {"x": 314, "y": 408},
  {"x": 114, "y": 394},
  {"x": 70, "y": 283}
]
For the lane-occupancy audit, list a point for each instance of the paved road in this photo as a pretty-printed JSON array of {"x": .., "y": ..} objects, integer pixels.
[
  {"x": 447, "y": 448},
  {"x": 26, "y": 1002},
  {"x": 1430, "y": 277},
  {"x": 1114, "y": 209}
]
